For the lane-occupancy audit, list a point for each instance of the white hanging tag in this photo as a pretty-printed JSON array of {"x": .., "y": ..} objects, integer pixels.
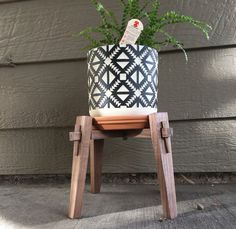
[{"x": 132, "y": 32}]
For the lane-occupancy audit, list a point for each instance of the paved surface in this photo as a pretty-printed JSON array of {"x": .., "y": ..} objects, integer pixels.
[{"x": 118, "y": 206}]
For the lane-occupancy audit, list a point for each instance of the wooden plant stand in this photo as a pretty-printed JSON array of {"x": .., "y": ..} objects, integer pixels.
[{"x": 88, "y": 139}]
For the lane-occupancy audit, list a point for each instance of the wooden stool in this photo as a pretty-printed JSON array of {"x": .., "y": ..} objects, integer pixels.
[{"x": 88, "y": 138}]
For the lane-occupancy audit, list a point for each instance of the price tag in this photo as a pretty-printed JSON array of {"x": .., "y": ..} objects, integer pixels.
[{"x": 132, "y": 32}]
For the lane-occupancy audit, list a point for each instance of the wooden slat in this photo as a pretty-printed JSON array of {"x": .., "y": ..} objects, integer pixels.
[
  {"x": 107, "y": 134},
  {"x": 79, "y": 166},
  {"x": 219, "y": 14},
  {"x": 49, "y": 95},
  {"x": 204, "y": 146},
  {"x": 35, "y": 151},
  {"x": 43, "y": 95},
  {"x": 144, "y": 133},
  {"x": 10, "y": 1},
  {"x": 164, "y": 163},
  {"x": 197, "y": 147},
  {"x": 43, "y": 30},
  {"x": 96, "y": 161},
  {"x": 202, "y": 88}
]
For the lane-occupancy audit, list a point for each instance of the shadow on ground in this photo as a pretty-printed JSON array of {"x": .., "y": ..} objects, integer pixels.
[{"x": 118, "y": 206}]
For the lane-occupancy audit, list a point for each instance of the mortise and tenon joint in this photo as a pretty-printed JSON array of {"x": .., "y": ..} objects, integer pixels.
[{"x": 88, "y": 141}]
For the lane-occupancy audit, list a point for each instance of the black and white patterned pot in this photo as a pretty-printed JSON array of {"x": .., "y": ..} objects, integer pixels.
[{"x": 122, "y": 80}]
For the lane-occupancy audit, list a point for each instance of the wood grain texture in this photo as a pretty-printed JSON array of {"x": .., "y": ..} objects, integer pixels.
[
  {"x": 43, "y": 30},
  {"x": 96, "y": 161},
  {"x": 202, "y": 88},
  {"x": 84, "y": 145},
  {"x": 43, "y": 95},
  {"x": 164, "y": 163},
  {"x": 79, "y": 166},
  {"x": 11, "y": 1},
  {"x": 52, "y": 95},
  {"x": 197, "y": 147},
  {"x": 205, "y": 146},
  {"x": 35, "y": 151},
  {"x": 143, "y": 133}
]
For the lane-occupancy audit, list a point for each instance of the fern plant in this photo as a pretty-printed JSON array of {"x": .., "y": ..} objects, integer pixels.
[{"x": 111, "y": 31}]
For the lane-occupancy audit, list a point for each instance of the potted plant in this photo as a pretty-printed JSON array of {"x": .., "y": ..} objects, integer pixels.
[{"x": 122, "y": 79}]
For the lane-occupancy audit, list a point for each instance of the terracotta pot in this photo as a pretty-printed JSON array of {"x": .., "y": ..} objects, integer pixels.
[{"x": 122, "y": 80}]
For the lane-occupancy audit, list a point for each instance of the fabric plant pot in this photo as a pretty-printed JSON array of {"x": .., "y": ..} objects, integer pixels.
[{"x": 122, "y": 80}]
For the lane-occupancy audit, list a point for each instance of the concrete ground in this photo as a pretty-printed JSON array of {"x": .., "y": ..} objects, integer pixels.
[{"x": 117, "y": 206}]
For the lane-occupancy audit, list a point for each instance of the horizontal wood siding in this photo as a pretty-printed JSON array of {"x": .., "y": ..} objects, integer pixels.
[
  {"x": 51, "y": 95},
  {"x": 43, "y": 95},
  {"x": 206, "y": 146},
  {"x": 43, "y": 86},
  {"x": 43, "y": 30}
]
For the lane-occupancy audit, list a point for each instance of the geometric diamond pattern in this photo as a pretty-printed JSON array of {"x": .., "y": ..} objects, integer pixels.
[{"x": 122, "y": 76}]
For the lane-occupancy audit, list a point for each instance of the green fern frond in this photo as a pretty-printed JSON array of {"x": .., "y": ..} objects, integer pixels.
[
  {"x": 173, "y": 18},
  {"x": 111, "y": 31},
  {"x": 172, "y": 40}
]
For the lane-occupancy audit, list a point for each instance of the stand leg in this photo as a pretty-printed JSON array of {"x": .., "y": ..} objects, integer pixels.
[
  {"x": 96, "y": 154},
  {"x": 164, "y": 165},
  {"x": 79, "y": 166}
]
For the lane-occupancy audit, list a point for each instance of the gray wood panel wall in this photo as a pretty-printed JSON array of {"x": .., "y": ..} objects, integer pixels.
[{"x": 43, "y": 87}]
